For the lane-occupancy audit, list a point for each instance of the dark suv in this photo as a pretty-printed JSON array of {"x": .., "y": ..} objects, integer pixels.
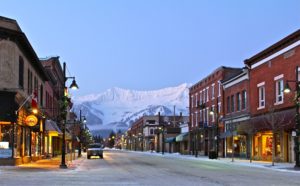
[{"x": 95, "y": 149}]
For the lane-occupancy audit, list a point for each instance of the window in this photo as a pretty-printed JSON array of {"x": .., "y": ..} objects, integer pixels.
[
  {"x": 200, "y": 116},
  {"x": 29, "y": 82},
  {"x": 213, "y": 91},
  {"x": 196, "y": 114},
  {"x": 41, "y": 95},
  {"x": 213, "y": 115},
  {"x": 204, "y": 96},
  {"x": 238, "y": 101},
  {"x": 207, "y": 115},
  {"x": 232, "y": 103},
  {"x": 207, "y": 95},
  {"x": 196, "y": 100},
  {"x": 21, "y": 72},
  {"x": 219, "y": 107},
  {"x": 219, "y": 89},
  {"x": 244, "y": 99},
  {"x": 261, "y": 97},
  {"x": 279, "y": 91},
  {"x": 201, "y": 97},
  {"x": 192, "y": 119},
  {"x": 192, "y": 101},
  {"x": 228, "y": 104}
]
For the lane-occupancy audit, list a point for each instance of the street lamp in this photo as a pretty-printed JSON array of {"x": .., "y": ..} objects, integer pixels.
[
  {"x": 287, "y": 89},
  {"x": 212, "y": 113},
  {"x": 73, "y": 86}
]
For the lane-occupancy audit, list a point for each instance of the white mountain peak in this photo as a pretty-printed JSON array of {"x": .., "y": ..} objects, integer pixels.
[{"x": 117, "y": 108}]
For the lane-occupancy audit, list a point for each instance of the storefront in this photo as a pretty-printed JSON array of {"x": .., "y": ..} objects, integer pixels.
[
  {"x": 263, "y": 146},
  {"x": 52, "y": 139},
  {"x": 237, "y": 145}
]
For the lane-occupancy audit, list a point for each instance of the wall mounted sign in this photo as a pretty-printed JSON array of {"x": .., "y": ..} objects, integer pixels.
[{"x": 31, "y": 120}]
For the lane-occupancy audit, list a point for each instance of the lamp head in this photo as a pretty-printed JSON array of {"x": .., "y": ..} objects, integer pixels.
[
  {"x": 211, "y": 112},
  {"x": 35, "y": 110},
  {"x": 74, "y": 85},
  {"x": 287, "y": 88}
]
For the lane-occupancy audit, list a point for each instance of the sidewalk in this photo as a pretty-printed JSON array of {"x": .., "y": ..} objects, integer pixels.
[
  {"x": 284, "y": 167},
  {"x": 54, "y": 163}
]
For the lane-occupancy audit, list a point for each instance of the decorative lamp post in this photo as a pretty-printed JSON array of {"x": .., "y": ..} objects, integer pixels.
[
  {"x": 73, "y": 86},
  {"x": 287, "y": 89}
]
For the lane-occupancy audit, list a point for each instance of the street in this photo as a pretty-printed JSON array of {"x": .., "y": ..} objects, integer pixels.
[{"x": 129, "y": 168}]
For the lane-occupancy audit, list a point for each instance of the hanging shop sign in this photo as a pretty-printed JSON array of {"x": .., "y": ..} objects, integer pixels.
[{"x": 31, "y": 120}]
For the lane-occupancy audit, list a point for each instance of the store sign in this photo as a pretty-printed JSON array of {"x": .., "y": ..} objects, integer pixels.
[
  {"x": 31, "y": 120},
  {"x": 5, "y": 152}
]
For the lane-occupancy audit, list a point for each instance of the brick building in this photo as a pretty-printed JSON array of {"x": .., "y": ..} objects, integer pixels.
[
  {"x": 205, "y": 96},
  {"x": 272, "y": 111},
  {"x": 236, "y": 115}
]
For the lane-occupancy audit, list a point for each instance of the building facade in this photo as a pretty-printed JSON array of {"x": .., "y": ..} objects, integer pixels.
[
  {"x": 236, "y": 115},
  {"x": 272, "y": 111},
  {"x": 206, "y": 96},
  {"x": 22, "y": 79}
]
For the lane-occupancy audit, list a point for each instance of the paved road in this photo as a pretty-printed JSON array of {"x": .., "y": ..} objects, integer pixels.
[{"x": 127, "y": 168}]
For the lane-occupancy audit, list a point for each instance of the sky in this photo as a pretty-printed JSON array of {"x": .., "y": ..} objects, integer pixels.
[{"x": 150, "y": 44}]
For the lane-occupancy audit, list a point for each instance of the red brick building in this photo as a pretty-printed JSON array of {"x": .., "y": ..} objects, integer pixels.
[
  {"x": 206, "y": 96},
  {"x": 273, "y": 112},
  {"x": 236, "y": 114}
]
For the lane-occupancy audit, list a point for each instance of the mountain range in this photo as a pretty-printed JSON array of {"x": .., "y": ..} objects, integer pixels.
[{"x": 116, "y": 108}]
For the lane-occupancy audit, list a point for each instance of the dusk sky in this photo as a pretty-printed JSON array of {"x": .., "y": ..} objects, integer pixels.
[{"x": 150, "y": 44}]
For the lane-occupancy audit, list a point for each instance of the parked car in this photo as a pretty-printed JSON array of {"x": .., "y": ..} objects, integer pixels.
[{"x": 95, "y": 149}]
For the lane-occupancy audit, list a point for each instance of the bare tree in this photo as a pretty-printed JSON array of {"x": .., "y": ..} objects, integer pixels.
[
  {"x": 276, "y": 122},
  {"x": 250, "y": 128}
]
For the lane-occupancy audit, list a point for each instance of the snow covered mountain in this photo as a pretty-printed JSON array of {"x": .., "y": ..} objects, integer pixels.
[{"x": 118, "y": 108}]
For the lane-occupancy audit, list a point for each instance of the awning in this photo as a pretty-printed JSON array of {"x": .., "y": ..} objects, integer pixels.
[
  {"x": 228, "y": 134},
  {"x": 182, "y": 137},
  {"x": 170, "y": 140},
  {"x": 51, "y": 127}
]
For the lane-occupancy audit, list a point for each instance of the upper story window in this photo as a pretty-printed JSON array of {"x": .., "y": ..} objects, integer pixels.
[
  {"x": 21, "y": 72},
  {"x": 219, "y": 88},
  {"x": 29, "y": 82},
  {"x": 219, "y": 107},
  {"x": 207, "y": 115},
  {"x": 261, "y": 95},
  {"x": 192, "y": 119},
  {"x": 192, "y": 101},
  {"x": 207, "y": 95},
  {"x": 204, "y": 96},
  {"x": 201, "y": 101},
  {"x": 228, "y": 104},
  {"x": 196, "y": 102},
  {"x": 238, "y": 101},
  {"x": 279, "y": 89},
  {"x": 232, "y": 103},
  {"x": 213, "y": 91},
  {"x": 42, "y": 95},
  {"x": 244, "y": 99}
]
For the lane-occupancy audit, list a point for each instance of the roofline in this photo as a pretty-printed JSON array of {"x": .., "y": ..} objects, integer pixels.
[
  {"x": 274, "y": 48},
  {"x": 21, "y": 39},
  {"x": 217, "y": 69}
]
